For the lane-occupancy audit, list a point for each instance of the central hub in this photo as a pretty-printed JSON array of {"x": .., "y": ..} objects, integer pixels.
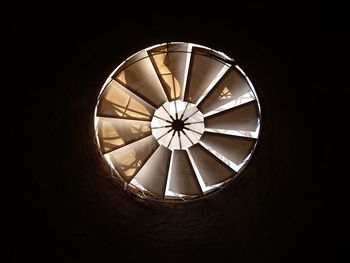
[{"x": 177, "y": 124}]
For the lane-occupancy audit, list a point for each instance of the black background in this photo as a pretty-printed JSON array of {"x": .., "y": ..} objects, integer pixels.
[{"x": 63, "y": 206}]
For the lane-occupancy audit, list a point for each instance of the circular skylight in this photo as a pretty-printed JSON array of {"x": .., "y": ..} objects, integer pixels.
[{"x": 177, "y": 121}]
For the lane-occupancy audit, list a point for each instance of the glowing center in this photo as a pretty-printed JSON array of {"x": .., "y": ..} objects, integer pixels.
[{"x": 177, "y": 124}]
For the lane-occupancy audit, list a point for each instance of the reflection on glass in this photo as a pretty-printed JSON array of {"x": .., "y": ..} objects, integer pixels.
[
  {"x": 129, "y": 159},
  {"x": 118, "y": 102},
  {"x": 164, "y": 68},
  {"x": 115, "y": 133}
]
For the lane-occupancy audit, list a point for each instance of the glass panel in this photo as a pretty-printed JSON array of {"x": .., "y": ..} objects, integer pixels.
[
  {"x": 153, "y": 174},
  {"x": 142, "y": 79},
  {"x": 230, "y": 87},
  {"x": 115, "y": 133},
  {"x": 118, "y": 102},
  {"x": 242, "y": 118},
  {"x": 169, "y": 62},
  {"x": 182, "y": 177},
  {"x": 212, "y": 170},
  {"x": 129, "y": 159},
  {"x": 203, "y": 72},
  {"x": 233, "y": 148}
]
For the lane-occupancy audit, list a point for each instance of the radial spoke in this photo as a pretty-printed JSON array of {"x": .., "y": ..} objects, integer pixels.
[
  {"x": 189, "y": 123},
  {"x": 178, "y": 134},
  {"x": 172, "y": 136},
  {"x": 184, "y": 111},
  {"x": 166, "y": 126},
  {"x": 163, "y": 134},
  {"x": 192, "y": 130},
  {"x": 177, "y": 117},
  {"x": 191, "y": 115},
  {"x": 187, "y": 137},
  {"x": 162, "y": 119},
  {"x": 167, "y": 112}
]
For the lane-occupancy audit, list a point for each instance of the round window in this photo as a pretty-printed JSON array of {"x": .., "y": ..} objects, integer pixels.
[{"x": 177, "y": 121}]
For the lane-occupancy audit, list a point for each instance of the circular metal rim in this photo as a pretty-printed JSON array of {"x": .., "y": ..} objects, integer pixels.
[{"x": 211, "y": 192}]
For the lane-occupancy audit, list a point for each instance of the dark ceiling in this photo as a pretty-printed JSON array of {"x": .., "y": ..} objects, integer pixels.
[{"x": 67, "y": 208}]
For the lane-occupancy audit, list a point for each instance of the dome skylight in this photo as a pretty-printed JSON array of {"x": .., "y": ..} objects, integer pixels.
[{"x": 177, "y": 121}]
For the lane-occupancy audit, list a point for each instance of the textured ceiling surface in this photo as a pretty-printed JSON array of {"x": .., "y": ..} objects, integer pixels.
[{"x": 68, "y": 209}]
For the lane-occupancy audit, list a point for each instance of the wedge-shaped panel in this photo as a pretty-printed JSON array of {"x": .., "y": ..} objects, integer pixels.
[
  {"x": 129, "y": 159},
  {"x": 118, "y": 102},
  {"x": 242, "y": 118},
  {"x": 141, "y": 78},
  {"x": 211, "y": 169},
  {"x": 175, "y": 142},
  {"x": 116, "y": 133},
  {"x": 203, "y": 71},
  {"x": 153, "y": 175},
  {"x": 133, "y": 59},
  {"x": 230, "y": 87},
  {"x": 170, "y": 62},
  {"x": 233, "y": 148},
  {"x": 164, "y": 138},
  {"x": 182, "y": 176}
]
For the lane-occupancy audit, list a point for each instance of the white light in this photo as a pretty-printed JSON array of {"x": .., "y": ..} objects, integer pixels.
[{"x": 187, "y": 136}]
